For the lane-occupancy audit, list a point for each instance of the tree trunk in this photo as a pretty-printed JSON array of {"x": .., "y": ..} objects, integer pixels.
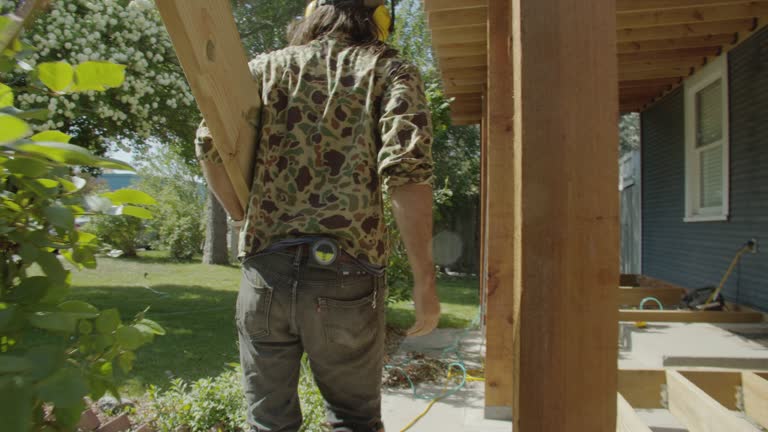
[{"x": 215, "y": 250}]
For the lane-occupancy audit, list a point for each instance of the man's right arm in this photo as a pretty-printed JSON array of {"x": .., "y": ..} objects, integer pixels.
[{"x": 405, "y": 162}]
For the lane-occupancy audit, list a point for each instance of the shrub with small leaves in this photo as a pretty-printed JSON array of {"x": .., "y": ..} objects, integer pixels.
[
  {"x": 218, "y": 403},
  {"x": 54, "y": 351}
]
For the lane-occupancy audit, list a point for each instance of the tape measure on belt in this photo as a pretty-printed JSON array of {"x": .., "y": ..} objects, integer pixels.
[{"x": 325, "y": 252}]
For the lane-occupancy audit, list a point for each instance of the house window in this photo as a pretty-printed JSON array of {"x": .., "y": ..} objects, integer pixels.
[{"x": 706, "y": 142}]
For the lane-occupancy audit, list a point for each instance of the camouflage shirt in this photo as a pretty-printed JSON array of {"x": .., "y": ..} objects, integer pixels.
[{"x": 337, "y": 122}]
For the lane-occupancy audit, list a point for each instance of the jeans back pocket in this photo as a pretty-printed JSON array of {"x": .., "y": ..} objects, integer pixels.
[
  {"x": 253, "y": 304},
  {"x": 352, "y": 323}
]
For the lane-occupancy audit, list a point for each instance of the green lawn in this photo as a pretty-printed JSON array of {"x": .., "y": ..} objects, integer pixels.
[{"x": 195, "y": 304}]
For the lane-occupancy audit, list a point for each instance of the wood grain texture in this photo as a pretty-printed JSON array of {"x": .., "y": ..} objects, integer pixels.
[
  {"x": 502, "y": 243},
  {"x": 684, "y": 31},
  {"x": 755, "y": 389},
  {"x": 692, "y": 15},
  {"x": 627, "y": 419},
  {"x": 698, "y": 411},
  {"x": 210, "y": 52},
  {"x": 569, "y": 234},
  {"x": 623, "y": 6},
  {"x": 690, "y": 316},
  {"x": 438, "y": 5}
]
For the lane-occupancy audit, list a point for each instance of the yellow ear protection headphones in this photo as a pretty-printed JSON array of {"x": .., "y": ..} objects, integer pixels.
[{"x": 381, "y": 16}]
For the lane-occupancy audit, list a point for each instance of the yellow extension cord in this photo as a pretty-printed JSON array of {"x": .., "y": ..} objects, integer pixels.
[{"x": 470, "y": 378}]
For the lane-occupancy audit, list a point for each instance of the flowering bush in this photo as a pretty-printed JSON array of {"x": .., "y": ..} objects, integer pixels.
[
  {"x": 154, "y": 101},
  {"x": 54, "y": 351}
]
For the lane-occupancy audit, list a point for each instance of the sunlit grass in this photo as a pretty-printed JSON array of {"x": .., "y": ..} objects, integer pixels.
[{"x": 195, "y": 303}]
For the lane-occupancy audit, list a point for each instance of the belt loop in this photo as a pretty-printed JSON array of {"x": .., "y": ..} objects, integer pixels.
[{"x": 297, "y": 260}]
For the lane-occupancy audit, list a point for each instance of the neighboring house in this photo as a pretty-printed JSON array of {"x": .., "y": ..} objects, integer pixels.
[{"x": 705, "y": 176}]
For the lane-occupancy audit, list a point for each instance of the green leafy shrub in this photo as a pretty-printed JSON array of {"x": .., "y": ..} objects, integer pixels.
[
  {"x": 123, "y": 233},
  {"x": 53, "y": 352},
  {"x": 181, "y": 201},
  {"x": 219, "y": 403}
]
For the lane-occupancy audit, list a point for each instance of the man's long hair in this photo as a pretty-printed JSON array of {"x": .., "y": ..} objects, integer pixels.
[{"x": 353, "y": 23}]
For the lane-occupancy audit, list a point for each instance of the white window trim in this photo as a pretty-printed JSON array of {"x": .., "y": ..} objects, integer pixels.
[{"x": 717, "y": 69}]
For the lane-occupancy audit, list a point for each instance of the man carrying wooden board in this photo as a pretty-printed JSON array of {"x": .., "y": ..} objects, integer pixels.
[{"x": 341, "y": 116}]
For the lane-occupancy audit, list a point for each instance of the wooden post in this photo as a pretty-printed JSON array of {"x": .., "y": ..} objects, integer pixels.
[
  {"x": 502, "y": 249},
  {"x": 210, "y": 51},
  {"x": 483, "y": 212},
  {"x": 566, "y": 124}
]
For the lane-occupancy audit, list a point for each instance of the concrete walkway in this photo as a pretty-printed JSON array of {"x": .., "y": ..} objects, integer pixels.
[
  {"x": 461, "y": 412},
  {"x": 659, "y": 345}
]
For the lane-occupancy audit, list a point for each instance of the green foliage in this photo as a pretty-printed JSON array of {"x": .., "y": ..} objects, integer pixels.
[
  {"x": 218, "y": 403},
  {"x": 181, "y": 203},
  {"x": 153, "y": 101},
  {"x": 263, "y": 23},
  {"x": 629, "y": 133},
  {"x": 122, "y": 233},
  {"x": 53, "y": 352}
]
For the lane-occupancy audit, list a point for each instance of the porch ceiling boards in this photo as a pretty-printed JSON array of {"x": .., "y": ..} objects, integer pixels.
[{"x": 660, "y": 43}]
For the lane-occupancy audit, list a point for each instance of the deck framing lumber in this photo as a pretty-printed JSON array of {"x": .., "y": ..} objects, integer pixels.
[
  {"x": 690, "y": 316},
  {"x": 698, "y": 411},
  {"x": 210, "y": 52},
  {"x": 627, "y": 419},
  {"x": 755, "y": 395}
]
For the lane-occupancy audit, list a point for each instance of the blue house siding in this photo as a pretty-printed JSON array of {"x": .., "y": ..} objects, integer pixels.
[{"x": 698, "y": 254}]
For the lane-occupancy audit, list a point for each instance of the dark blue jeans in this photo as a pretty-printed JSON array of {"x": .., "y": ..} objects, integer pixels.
[{"x": 289, "y": 305}]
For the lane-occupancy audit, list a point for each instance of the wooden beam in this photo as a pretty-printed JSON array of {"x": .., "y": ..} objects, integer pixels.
[
  {"x": 638, "y": 92},
  {"x": 464, "y": 81},
  {"x": 683, "y": 64},
  {"x": 721, "y": 386},
  {"x": 454, "y": 90},
  {"x": 624, "y": 6},
  {"x": 628, "y": 109},
  {"x": 467, "y": 72},
  {"x": 446, "y": 19},
  {"x": 502, "y": 242},
  {"x": 690, "y": 316},
  {"x": 654, "y": 74},
  {"x": 447, "y": 51},
  {"x": 633, "y": 296},
  {"x": 208, "y": 45},
  {"x": 440, "y": 5},
  {"x": 465, "y": 120},
  {"x": 459, "y": 35},
  {"x": 463, "y": 62},
  {"x": 666, "y": 82},
  {"x": 684, "y": 31},
  {"x": 708, "y": 41},
  {"x": 643, "y": 388},
  {"x": 692, "y": 15},
  {"x": 627, "y": 419},
  {"x": 636, "y": 101},
  {"x": 483, "y": 212},
  {"x": 467, "y": 110},
  {"x": 569, "y": 234},
  {"x": 698, "y": 411},
  {"x": 687, "y": 53},
  {"x": 755, "y": 394}
]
